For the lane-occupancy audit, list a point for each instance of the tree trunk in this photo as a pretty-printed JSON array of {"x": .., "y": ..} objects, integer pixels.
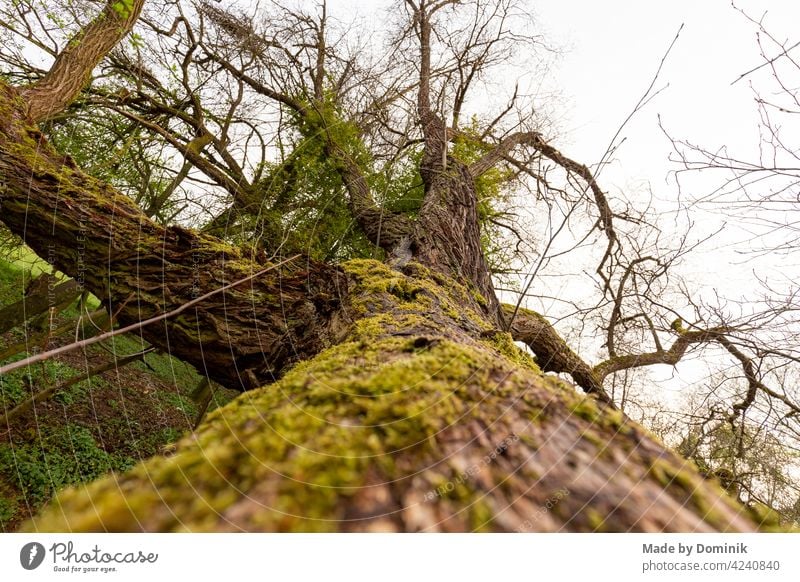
[
  {"x": 447, "y": 235},
  {"x": 422, "y": 418}
]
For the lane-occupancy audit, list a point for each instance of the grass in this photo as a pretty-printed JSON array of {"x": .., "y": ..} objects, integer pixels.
[
  {"x": 24, "y": 260},
  {"x": 12, "y": 283}
]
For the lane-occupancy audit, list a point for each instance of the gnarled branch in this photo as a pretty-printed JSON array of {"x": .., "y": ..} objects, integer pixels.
[{"x": 552, "y": 352}]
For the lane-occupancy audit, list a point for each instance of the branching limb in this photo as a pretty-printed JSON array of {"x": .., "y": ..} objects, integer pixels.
[
  {"x": 552, "y": 352},
  {"x": 73, "y": 66},
  {"x": 534, "y": 139}
]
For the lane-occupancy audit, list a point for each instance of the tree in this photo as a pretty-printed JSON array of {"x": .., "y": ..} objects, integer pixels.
[{"x": 379, "y": 395}]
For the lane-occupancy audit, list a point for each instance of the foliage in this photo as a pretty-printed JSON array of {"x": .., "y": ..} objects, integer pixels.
[
  {"x": 58, "y": 457},
  {"x": 122, "y": 8},
  {"x": 8, "y": 509},
  {"x": 15, "y": 386},
  {"x": 301, "y": 199},
  {"x": 752, "y": 465},
  {"x": 117, "y": 151}
]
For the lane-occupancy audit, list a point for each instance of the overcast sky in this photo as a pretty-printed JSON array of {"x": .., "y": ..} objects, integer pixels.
[
  {"x": 611, "y": 51},
  {"x": 612, "y": 48}
]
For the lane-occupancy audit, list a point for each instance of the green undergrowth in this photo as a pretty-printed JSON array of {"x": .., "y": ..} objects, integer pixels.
[
  {"x": 104, "y": 423},
  {"x": 55, "y": 457},
  {"x": 12, "y": 283},
  {"x": 15, "y": 387}
]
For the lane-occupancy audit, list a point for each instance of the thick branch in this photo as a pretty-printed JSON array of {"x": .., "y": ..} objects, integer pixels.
[
  {"x": 383, "y": 228},
  {"x": 434, "y": 130},
  {"x": 552, "y": 352},
  {"x": 241, "y": 338},
  {"x": 670, "y": 357},
  {"x": 73, "y": 66},
  {"x": 754, "y": 384}
]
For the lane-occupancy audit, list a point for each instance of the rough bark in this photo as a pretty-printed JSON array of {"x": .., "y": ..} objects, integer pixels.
[
  {"x": 73, "y": 66},
  {"x": 242, "y": 338},
  {"x": 552, "y": 352},
  {"x": 419, "y": 419},
  {"x": 447, "y": 235}
]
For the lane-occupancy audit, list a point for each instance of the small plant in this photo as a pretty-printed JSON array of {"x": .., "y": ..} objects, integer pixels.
[{"x": 8, "y": 510}]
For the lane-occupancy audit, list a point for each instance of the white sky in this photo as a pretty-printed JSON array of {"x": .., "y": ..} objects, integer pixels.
[{"x": 611, "y": 50}]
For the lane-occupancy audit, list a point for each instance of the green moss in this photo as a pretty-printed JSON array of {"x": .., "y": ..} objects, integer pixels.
[
  {"x": 504, "y": 343},
  {"x": 317, "y": 434},
  {"x": 595, "y": 519},
  {"x": 586, "y": 408},
  {"x": 417, "y": 290},
  {"x": 321, "y": 431},
  {"x": 671, "y": 475},
  {"x": 480, "y": 516}
]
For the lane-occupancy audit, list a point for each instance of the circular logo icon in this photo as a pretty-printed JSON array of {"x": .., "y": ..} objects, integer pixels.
[{"x": 31, "y": 555}]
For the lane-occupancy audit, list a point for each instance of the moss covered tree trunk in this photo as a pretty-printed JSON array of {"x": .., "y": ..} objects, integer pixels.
[{"x": 423, "y": 417}]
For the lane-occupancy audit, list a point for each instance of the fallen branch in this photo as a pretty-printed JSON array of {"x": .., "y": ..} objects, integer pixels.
[
  {"x": 36, "y": 340},
  {"x": 37, "y": 303}
]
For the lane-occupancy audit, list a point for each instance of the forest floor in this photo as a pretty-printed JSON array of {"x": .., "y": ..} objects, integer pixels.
[{"x": 104, "y": 423}]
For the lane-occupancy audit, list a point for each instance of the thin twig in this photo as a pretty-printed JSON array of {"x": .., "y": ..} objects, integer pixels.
[{"x": 6, "y": 419}]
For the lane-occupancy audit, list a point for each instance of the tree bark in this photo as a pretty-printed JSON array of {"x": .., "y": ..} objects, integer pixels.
[
  {"x": 418, "y": 420},
  {"x": 241, "y": 338},
  {"x": 447, "y": 234},
  {"x": 73, "y": 66},
  {"x": 552, "y": 352}
]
